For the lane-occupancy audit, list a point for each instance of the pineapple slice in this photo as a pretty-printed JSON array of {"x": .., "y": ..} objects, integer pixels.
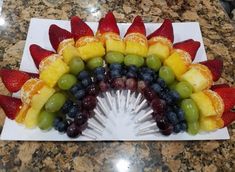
[
  {"x": 69, "y": 53},
  {"x": 199, "y": 77},
  {"x": 31, "y": 118},
  {"x": 115, "y": 45},
  {"x": 179, "y": 62},
  {"x": 22, "y": 113},
  {"x": 51, "y": 69},
  {"x": 41, "y": 98},
  {"x": 204, "y": 104},
  {"x": 210, "y": 123},
  {"x": 136, "y": 44}
]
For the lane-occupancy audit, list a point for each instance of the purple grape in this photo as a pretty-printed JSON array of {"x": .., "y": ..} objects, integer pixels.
[
  {"x": 73, "y": 131},
  {"x": 89, "y": 102},
  {"x": 92, "y": 90},
  {"x": 104, "y": 86},
  {"x": 158, "y": 106},
  {"x": 131, "y": 84},
  {"x": 149, "y": 94},
  {"x": 118, "y": 83}
]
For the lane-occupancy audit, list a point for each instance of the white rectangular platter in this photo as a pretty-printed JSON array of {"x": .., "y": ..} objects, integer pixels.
[{"x": 122, "y": 125}]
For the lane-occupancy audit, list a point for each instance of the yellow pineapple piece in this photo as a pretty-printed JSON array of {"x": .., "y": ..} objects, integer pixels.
[
  {"x": 52, "y": 71},
  {"x": 64, "y": 44},
  {"x": 210, "y": 123},
  {"x": 91, "y": 49},
  {"x": 204, "y": 104},
  {"x": 31, "y": 118},
  {"x": 136, "y": 44},
  {"x": 22, "y": 113},
  {"x": 179, "y": 62},
  {"x": 159, "y": 46},
  {"x": 69, "y": 53},
  {"x": 115, "y": 45},
  {"x": 198, "y": 76},
  {"x": 39, "y": 100}
]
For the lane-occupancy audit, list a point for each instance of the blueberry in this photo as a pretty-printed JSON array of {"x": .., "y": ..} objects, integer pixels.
[
  {"x": 175, "y": 95},
  {"x": 115, "y": 66},
  {"x": 67, "y": 105},
  {"x": 100, "y": 77},
  {"x": 172, "y": 117},
  {"x": 156, "y": 88},
  {"x": 56, "y": 121},
  {"x": 99, "y": 70},
  {"x": 131, "y": 74},
  {"x": 115, "y": 74},
  {"x": 180, "y": 115},
  {"x": 86, "y": 82},
  {"x": 147, "y": 70},
  {"x": 177, "y": 128},
  {"x": 80, "y": 94},
  {"x": 183, "y": 126},
  {"x": 132, "y": 68},
  {"x": 147, "y": 78},
  {"x": 62, "y": 126},
  {"x": 162, "y": 83},
  {"x": 124, "y": 71},
  {"x": 168, "y": 99},
  {"x": 83, "y": 75},
  {"x": 76, "y": 87},
  {"x": 73, "y": 112}
]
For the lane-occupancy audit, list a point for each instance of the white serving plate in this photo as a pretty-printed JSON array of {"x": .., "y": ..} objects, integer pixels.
[{"x": 120, "y": 126}]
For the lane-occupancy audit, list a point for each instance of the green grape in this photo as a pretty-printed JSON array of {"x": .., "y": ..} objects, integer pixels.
[
  {"x": 114, "y": 57},
  {"x": 153, "y": 62},
  {"x": 76, "y": 65},
  {"x": 173, "y": 85},
  {"x": 45, "y": 120},
  {"x": 190, "y": 110},
  {"x": 135, "y": 60},
  {"x": 193, "y": 128},
  {"x": 167, "y": 74},
  {"x": 66, "y": 81},
  {"x": 184, "y": 89},
  {"x": 55, "y": 102},
  {"x": 94, "y": 63}
]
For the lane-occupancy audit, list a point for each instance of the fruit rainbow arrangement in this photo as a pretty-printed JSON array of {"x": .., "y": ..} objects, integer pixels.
[{"x": 154, "y": 70}]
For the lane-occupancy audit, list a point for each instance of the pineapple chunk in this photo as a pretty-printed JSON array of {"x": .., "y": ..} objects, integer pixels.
[
  {"x": 210, "y": 123},
  {"x": 160, "y": 50},
  {"x": 204, "y": 104},
  {"x": 115, "y": 45},
  {"x": 31, "y": 119},
  {"x": 136, "y": 48},
  {"x": 51, "y": 74},
  {"x": 196, "y": 79},
  {"x": 177, "y": 64},
  {"x": 91, "y": 49},
  {"x": 22, "y": 113},
  {"x": 41, "y": 98},
  {"x": 70, "y": 52}
]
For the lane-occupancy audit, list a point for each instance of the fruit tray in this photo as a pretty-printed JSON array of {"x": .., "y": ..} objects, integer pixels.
[{"x": 120, "y": 123}]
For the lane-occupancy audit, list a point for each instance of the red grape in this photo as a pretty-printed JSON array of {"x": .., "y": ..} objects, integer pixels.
[
  {"x": 104, "y": 86},
  {"x": 89, "y": 102},
  {"x": 141, "y": 86},
  {"x": 158, "y": 106},
  {"x": 118, "y": 83},
  {"x": 92, "y": 90},
  {"x": 131, "y": 84},
  {"x": 149, "y": 94},
  {"x": 73, "y": 131}
]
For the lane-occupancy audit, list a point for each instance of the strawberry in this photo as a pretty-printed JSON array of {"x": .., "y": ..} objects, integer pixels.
[
  {"x": 137, "y": 26},
  {"x": 57, "y": 35},
  {"x": 108, "y": 24},
  {"x": 228, "y": 96},
  {"x": 38, "y": 53},
  {"x": 165, "y": 30},
  {"x": 10, "y": 106},
  {"x": 13, "y": 79},
  {"x": 79, "y": 28},
  {"x": 213, "y": 87},
  {"x": 189, "y": 46},
  {"x": 228, "y": 118},
  {"x": 215, "y": 66}
]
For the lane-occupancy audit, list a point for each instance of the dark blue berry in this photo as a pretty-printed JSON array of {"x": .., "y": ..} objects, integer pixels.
[
  {"x": 86, "y": 82},
  {"x": 76, "y": 87},
  {"x": 83, "y": 75},
  {"x": 56, "y": 121},
  {"x": 67, "y": 105},
  {"x": 183, "y": 126},
  {"x": 62, "y": 126},
  {"x": 162, "y": 83},
  {"x": 99, "y": 70},
  {"x": 168, "y": 99},
  {"x": 73, "y": 112},
  {"x": 131, "y": 74},
  {"x": 180, "y": 115},
  {"x": 80, "y": 94},
  {"x": 177, "y": 128},
  {"x": 100, "y": 77},
  {"x": 156, "y": 88},
  {"x": 172, "y": 117},
  {"x": 115, "y": 74},
  {"x": 132, "y": 68},
  {"x": 124, "y": 71},
  {"x": 147, "y": 78},
  {"x": 175, "y": 95},
  {"x": 147, "y": 70},
  {"x": 115, "y": 66}
]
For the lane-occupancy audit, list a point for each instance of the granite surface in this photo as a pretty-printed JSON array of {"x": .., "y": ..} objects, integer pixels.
[{"x": 219, "y": 39}]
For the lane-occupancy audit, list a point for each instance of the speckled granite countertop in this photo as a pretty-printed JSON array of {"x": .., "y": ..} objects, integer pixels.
[{"x": 219, "y": 38}]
